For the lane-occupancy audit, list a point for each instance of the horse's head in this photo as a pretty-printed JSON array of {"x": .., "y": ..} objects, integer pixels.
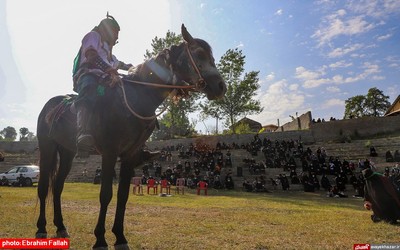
[{"x": 194, "y": 63}]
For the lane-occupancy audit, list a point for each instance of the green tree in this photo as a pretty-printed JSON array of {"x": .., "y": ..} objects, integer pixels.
[
  {"x": 354, "y": 107},
  {"x": 175, "y": 121},
  {"x": 241, "y": 88},
  {"x": 31, "y": 137},
  {"x": 159, "y": 44},
  {"x": 9, "y": 133},
  {"x": 24, "y": 134},
  {"x": 374, "y": 103}
]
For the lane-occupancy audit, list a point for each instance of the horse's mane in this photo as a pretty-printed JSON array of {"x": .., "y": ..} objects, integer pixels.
[{"x": 165, "y": 55}]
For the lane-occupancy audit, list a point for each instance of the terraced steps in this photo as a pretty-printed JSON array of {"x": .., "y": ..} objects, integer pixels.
[{"x": 352, "y": 151}]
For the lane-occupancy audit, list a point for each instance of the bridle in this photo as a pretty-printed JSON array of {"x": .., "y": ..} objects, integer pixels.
[{"x": 198, "y": 87}]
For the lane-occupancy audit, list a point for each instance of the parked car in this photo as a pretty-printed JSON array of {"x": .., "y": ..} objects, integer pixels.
[{"x": 24, "y": 175}]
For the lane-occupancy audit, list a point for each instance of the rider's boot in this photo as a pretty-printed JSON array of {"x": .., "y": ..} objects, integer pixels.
[{"x": 85, "y": 141}]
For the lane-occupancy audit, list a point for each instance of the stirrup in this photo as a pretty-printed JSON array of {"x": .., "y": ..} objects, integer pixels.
[{"x": 84, "y": 145}]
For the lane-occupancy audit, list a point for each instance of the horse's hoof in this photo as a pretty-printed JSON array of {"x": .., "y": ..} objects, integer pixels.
[
  {"x": 62, "y": 234},
  {"x": 41, "y": 235},
  {"x": 100, "y": 248},
  {"x": 122, "y": 247}
]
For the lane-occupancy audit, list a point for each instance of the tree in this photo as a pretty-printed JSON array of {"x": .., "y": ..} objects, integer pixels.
[
  {"x": 241, "y": 88},
  {"x": 375, "y": 103},
  {"x": 354, "y": 107},
  {"x": 175, "y": 121},
  {"x": 24, "y": 134},
  {"x": 159, "y": 44},
  {"x": 9, "y": 133}
]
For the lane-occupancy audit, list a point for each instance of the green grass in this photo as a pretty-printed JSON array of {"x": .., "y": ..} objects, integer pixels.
[{"x": 222, "y": 220}]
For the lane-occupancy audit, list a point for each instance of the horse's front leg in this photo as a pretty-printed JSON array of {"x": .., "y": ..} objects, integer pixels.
[
  {"x": 107, "y": 173},
  {"x": 123, "y": 194}
]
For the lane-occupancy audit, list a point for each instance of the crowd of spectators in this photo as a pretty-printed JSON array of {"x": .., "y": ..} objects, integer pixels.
[
  {"x": 312, "y": 169},
  {"x": 195, "y": 163}
]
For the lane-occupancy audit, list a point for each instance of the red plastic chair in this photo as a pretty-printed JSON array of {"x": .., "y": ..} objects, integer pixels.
[
  {"x": 180, "y": 185},
  {"x": 202, "y": 185},
  {"x": 151, "y": 183},
  {"x": 164, "y": 184},
  {"x": 137, "y": 185}
]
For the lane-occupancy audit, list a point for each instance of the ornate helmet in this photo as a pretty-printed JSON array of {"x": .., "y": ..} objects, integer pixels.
[
  {"x": 109, "y": 22},
  {"x": 108, "y": 27}
]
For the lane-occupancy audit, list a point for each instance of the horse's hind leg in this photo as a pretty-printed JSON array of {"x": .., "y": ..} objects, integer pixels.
[
  {"x": 48, "y": 161},
  {"x": 122, "y": 198},
  {"x": 66, "y": 158}
]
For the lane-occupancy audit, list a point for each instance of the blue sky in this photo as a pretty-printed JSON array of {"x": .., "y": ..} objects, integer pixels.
[{"x": 312, "y": 55}]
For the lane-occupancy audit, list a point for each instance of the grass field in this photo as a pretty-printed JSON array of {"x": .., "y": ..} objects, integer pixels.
[{"x": 222, "y": 220}]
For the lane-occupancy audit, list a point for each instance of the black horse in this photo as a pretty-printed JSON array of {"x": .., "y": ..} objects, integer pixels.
[{"x": 123, "y": 120}]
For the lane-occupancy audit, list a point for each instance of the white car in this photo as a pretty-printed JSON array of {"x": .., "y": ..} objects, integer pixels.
[{"x": 29, "y": 173}]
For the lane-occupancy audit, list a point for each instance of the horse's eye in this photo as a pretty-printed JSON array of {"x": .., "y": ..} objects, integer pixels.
[{"x": 201, "y": 55}]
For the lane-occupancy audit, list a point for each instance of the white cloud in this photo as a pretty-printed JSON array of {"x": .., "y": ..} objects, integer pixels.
[
  {"x": 335, "y": 25},
  {"x": 375, "y": 8},
  {"x": 279, "y": 12},
  {"x": 279, "y": 100},
  {"x": 240, "y": 45},
  {"x": 339, "y": 52},
  {"x": 293, "y": 87},
  {"x": 270, "y": 76},
  {"x": 384, "y": 37},
  {"x": 313, "y": 79},
  {"x": 333, "y": 89},
  {"x": 340, "y": 64},
  {"x": 332, "y": 103}
]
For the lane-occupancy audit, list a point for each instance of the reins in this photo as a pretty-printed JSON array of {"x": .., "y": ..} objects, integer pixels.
[
  {"x": 200, "y": 85},
  {"x": 173, "y": 93}
]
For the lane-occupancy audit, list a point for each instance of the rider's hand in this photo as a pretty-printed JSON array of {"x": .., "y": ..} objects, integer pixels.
[{"x": 114, "y": 77}]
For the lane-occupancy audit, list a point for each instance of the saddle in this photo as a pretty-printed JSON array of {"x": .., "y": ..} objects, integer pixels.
[{"x": 65, "y": 109}]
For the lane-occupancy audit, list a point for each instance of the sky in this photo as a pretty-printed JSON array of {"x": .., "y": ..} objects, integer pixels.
[{"x": 311, "y": 55}]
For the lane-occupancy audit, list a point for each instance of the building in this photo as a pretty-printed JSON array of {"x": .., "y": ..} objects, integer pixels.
[
  {"x": 254, "y": 125},
  {"x": 394, "y": 109}
]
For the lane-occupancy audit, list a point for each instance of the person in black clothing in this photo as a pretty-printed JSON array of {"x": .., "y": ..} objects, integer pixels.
[
  {"x": 229, "y": 182},
  {"x": 325, "y": 183},
  {"x": 381, "y": 197},
  {"x": 247, "y": 186}
]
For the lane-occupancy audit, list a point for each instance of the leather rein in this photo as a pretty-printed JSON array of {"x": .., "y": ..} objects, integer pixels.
[{"x": 198, "y": 86}]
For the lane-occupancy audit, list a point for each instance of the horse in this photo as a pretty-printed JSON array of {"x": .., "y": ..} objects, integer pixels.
[{"x": 123, "y": 120}]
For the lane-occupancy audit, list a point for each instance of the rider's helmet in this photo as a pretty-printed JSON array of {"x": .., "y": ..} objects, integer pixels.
[{"x": 109, "y": 29}]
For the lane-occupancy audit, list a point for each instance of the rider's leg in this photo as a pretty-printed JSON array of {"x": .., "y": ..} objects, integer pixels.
[{"x": 84, "y": 105}]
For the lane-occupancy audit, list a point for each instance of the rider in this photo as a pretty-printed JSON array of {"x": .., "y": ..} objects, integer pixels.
[{"x": 94, "y": 64}]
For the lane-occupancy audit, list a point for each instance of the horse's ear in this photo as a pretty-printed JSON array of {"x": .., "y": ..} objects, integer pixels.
[{"x": 186, "y": 35}]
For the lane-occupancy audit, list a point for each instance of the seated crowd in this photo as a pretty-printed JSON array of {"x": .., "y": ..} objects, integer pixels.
[{"x": 314, "y": 170}]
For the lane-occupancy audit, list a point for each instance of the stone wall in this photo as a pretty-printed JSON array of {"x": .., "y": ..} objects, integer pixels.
[
  {"x": 355, "y": 128},
  {"x": 325, "y": 131},
  {"x": 303, "y": 135},
  {"x": 18, "y": 146},
  {"x": 300, "y": 123}
]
